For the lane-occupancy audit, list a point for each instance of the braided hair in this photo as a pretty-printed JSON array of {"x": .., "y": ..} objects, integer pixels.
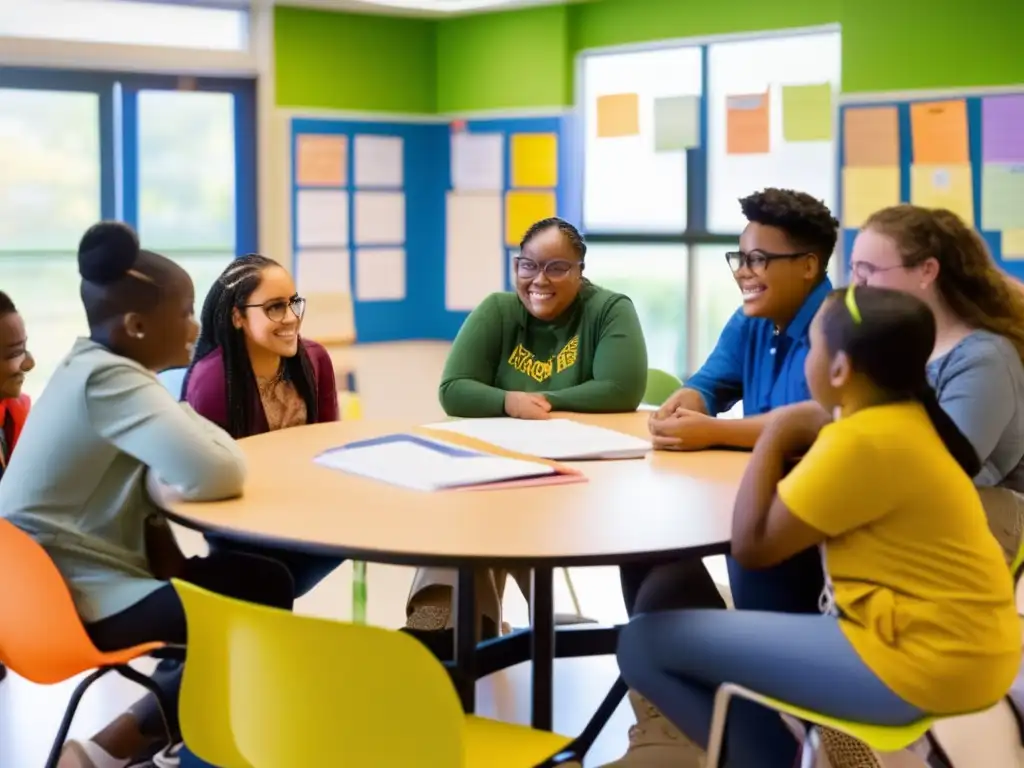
[
  {"x": 231, "y": 291},
  {"x": 576, "y": 241}
]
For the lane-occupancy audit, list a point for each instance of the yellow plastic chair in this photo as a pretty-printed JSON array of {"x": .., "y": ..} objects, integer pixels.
[
  {"x": 879, "y": 737},
  {"x": 660, "y": 387},
  {"x": 349, "y": 406},
  {"x": 306, "y": 691}
]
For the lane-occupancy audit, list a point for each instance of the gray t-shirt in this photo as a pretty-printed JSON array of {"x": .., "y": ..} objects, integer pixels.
[
  {"x": 77, "y": 485},
  {"x": 980, "y": 384}
]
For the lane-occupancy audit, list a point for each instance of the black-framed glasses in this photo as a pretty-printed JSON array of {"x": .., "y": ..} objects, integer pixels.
[
  {"x": 864, "y": 270},
  {"x": 757, "y": 261},
  {"x": 555, "y": 270},
  {"x": 277, "y": 309}
]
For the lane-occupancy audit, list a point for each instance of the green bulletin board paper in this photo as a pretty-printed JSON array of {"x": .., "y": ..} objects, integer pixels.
[
  {"x": 1002, "y": 196},
  {"x": 676, "y": 123},
  {"x": 807, "y": 112}
]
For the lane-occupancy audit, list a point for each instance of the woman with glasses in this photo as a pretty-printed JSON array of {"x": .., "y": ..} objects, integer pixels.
[
  {"x": 976, "y": 366},
  {"x": 558, "y": 343},
  {"x": 253, "y": 373}
]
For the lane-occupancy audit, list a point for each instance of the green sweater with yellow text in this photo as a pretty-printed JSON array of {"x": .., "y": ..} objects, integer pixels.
[{"x": 592, "y": 359}]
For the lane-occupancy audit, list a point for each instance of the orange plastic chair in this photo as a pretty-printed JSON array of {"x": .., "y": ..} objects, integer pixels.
[{"x": 41, "y": 636}]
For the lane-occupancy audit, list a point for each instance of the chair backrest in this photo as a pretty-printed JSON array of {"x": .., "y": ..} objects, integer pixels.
[
  {"x": 660, "y": 386},
  {"x": 41, "y": 635},
  {"x": 303, "y": 687}
]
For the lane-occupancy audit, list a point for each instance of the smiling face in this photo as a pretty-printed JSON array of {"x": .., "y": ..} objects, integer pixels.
[
  {"x": 272, "y": 318},
  {"x": 548, "y": 274},
  {"x": 15, "y": 359},
  {"x": 774, "y": 287},
  {"x": 876, "y": 261}
]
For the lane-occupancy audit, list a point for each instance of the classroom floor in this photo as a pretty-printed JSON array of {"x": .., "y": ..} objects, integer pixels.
[{"x": 396, "y": 381}]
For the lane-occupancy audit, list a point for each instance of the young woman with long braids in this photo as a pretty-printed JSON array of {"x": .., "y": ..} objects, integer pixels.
[{"x": 252, "y": 373}]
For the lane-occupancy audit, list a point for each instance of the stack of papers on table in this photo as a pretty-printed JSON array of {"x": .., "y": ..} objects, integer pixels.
[
  {"x": 425, "y": 464},
  {"x": 554, "y": 439}
]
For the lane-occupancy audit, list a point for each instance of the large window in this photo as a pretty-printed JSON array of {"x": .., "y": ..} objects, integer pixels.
[
  {"x": 128, "y": 22},
  {"x": 673, "y": 136}
]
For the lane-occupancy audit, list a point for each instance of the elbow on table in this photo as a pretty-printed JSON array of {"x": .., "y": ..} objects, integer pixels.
[{"x": 220, "y": 479}]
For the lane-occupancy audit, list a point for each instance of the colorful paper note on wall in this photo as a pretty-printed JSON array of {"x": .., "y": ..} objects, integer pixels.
[
  {"x": 871, "y": 137},
  {"x": 1013, "y": 244},
  {"x": 534, "y": 160},
  {"x": 321, "y": 160},
  {"x": 478, "y": 161},
  {"x": 676, "y": 123},
  {"x": 866, "y": 190},
  {"x": 523, "y": 209},
  {"x": 747, "y": 124},
  {"x": 618, "y": 114},
  {"x": 474, "y": 255},
  {"x": 944, "y": 186},
  {"x": 807, "y": 112},
  {"x": 939, "y": 132},
  {"x": 1002, "y": 196},
  {"x": 1002, "y": 129}
]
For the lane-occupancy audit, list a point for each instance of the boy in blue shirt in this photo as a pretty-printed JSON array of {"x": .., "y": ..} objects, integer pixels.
[{"x": 781, "y": 271}]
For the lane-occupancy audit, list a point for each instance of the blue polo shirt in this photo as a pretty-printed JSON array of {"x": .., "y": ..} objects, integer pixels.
[{"x": 753, "y": 363}]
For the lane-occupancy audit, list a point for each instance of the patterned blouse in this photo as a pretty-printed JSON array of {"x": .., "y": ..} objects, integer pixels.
[{"x": 282, "y": 403}]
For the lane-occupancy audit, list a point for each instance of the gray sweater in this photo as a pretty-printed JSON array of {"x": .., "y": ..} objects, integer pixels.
[
  {"x": 980, "y": 384},
  {"x": 77, "y": 483}
]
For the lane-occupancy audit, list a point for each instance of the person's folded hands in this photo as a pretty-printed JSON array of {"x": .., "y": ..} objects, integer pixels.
[{"x": 682, "y": 430}]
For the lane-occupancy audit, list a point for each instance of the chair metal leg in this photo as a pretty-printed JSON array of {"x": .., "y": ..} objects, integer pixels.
[
  {"x": 811, "y": 747},
  {"x": 150, "y": 685},
  {"x": 69, "y": 715},
  {"x": 572, "y": 592},
  {"x": 938, "y": 758},
  {"x": 716, "y": 738}
]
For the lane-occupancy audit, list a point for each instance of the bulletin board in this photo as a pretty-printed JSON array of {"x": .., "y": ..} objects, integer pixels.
[
  {"x": 367, "y": 224},
  {"x": 504, "y": 175},
  {"x": 961, "y": 152}
]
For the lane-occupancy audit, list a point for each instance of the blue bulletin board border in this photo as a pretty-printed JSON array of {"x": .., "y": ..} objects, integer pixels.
[
  {"x": 427, "y": 180},
  {"x": 974, "y": 109}
]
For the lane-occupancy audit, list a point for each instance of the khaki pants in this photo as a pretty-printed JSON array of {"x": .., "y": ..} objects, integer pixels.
[
  {"x": 1005, "y": 512},
  {"x": 490, "y": 588}
]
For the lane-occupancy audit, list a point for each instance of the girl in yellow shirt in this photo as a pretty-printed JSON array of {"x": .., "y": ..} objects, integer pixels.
[{"x": 918, "y": 614}]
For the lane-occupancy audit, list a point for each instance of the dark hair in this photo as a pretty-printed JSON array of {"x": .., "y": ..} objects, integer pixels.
[
  {"x": 117, "y": 275},
  {"x": 6, "y": 304},
  {"x": 806, "y": 221},
  {"x": 890, "y": 343},
  {"x": 970, "y": 283},
  {"x": 217, "y": 330},
  {"x": 576, "y": 241}
]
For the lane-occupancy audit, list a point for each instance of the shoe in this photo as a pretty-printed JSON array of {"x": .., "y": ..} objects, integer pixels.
[
  {"x": 654, "y": 742},
  {"x": 431, "y": 625},
  {"x": 844, "y": 751}
]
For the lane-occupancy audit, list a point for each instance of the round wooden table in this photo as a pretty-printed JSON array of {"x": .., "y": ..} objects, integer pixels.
[{"x": 666, "y": 505}]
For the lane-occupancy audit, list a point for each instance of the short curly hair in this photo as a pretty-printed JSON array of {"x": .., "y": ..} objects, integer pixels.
[{"x": 806, "y": 221}]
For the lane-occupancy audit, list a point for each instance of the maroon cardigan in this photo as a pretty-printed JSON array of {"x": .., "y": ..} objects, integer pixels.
[{"x": 208, "y": 394}]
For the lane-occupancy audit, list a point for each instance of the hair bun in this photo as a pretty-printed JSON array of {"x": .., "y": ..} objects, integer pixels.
[{"x": 107, "y": 251}]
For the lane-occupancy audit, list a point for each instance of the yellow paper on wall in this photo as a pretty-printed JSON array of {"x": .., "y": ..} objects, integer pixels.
[
  {"x": 807, "y": 112},
  {"x": 534, "y": 160},
  {"x": 866, "y": 190},
  {"x": 944, "y": 186},
  {"x": 1013, "y": 244},
  {"x": 523, "y": 209}
]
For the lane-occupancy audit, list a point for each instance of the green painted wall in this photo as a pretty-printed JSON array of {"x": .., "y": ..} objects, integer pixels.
[
  {"x": 504, "y": 60},
  {"x": 350, "y": 61},
  {"x": 521, "y": 59}
]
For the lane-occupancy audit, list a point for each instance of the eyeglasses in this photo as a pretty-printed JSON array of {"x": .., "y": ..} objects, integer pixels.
[
  {"x": 555, "y": 270},
  {"x": 277, "y": 309},
  {"x": 757, "y": 261},
  {"x": 863, "y": 270}
]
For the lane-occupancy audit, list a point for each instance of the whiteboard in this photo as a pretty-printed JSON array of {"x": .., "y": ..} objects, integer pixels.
[
  {"x": 754, "y": 66},
  {"x": 627, "y": 185}
]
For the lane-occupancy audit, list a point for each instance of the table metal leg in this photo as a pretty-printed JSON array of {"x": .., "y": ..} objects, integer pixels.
[
  {"x": 465, "y": 638},
  {"x": 542, "y": 607}
]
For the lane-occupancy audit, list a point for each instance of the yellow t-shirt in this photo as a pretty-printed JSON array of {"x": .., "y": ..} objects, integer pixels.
[{"x": 921, "y": 585}]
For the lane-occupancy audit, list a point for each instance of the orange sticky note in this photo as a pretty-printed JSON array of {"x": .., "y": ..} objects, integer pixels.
[
  {"x": 523, "y": 210},
  {"x": 618, "y": 114},
  {"x": 321, "y": 160},
  {"x": 939, "y": 131},
  {"x": 747, "y": 124},
  {"x": 871, "y": 137}
]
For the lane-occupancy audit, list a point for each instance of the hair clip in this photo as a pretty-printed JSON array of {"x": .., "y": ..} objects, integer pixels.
[{"x": 851, "y": 304}]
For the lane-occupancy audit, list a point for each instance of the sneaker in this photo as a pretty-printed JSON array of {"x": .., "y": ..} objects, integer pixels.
[{"x": 654, "y": 742}]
